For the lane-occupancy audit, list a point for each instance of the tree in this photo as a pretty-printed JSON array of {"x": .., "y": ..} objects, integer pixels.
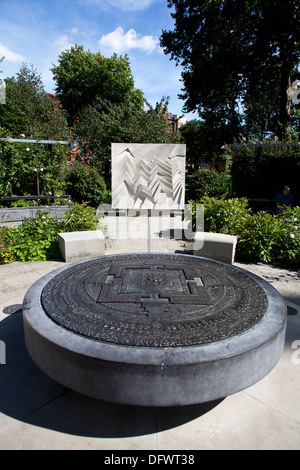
[
  {"x": 29, "y": 110},
  {"x": 32, "y": 113},
  {"x": 236, "y": 55},
  {"x": 120, "y": 123},
  {"x": 192, "y": 135},
  {"x": 30, "y": 168},
  {"x": 85, "y": 185},
  {"x": 82, "y": 77}
]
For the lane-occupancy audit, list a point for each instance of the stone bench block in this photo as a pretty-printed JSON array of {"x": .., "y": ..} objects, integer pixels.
[
  {"x": 217, "y": 246},
  {"x": 75, "y": 246}
]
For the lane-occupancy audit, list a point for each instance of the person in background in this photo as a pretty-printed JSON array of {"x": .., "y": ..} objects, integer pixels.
[{"x": 284, "y": 199}]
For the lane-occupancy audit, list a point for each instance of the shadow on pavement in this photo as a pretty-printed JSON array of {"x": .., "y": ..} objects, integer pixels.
[{"x": 28, "y": 395}]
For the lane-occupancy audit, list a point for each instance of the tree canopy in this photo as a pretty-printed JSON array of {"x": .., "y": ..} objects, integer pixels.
[
  {"x": 123, "y": 122},
  {"x": 239, "y": 60},
  {"x": 29, "y": 110},
  {"x": 83, "y": 77}
]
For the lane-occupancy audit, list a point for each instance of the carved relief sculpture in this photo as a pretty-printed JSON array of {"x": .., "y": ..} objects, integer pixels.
[{"x": 148, "y": 176}]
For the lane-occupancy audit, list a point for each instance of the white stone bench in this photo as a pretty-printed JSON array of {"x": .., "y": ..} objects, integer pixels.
[
  {"x": 218, "y": 246},
  {"x": 75, "y": 246}
]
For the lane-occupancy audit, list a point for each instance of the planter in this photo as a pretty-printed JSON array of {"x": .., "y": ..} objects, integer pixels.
[{"x": 17, "y": 214}]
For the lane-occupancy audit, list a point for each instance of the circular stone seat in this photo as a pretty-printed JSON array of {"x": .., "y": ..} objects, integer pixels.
[{"x": 154, "y": 329}]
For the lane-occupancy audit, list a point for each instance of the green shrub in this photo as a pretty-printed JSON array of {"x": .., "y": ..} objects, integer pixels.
[
  {"x": 208, "y": 183},
  {"x": 220, "y": 215},
  {"x": 267, "y": 238},
  {"x": 262, "y": 237},
  {"x": 21, "y": 163},
  {"x": 36, "y": 239},
  {"x": 80, "y": 217},
  {"x": 257, "y": 238},
  {"x": 85, "y": 184},
  {"x": 288, "y": 242}
]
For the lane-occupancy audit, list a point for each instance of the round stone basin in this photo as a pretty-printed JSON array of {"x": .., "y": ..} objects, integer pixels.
[{"x": 154, "y": 329}]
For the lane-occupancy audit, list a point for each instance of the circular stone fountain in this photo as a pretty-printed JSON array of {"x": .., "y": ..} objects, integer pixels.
[{"x": 154, "y": 329}]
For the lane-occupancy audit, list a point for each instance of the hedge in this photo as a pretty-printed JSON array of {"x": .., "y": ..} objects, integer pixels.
[{"x": 261, "y": 171}]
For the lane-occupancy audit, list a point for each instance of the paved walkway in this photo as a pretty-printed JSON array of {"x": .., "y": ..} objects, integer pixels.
[{"x": 37, "y": 413}]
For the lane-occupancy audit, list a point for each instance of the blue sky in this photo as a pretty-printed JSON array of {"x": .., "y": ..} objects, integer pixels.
[{"x": 36, "y": 32}]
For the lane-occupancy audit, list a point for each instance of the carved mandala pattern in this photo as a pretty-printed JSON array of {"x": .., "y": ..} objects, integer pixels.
[{"x": 150, "y": 300}]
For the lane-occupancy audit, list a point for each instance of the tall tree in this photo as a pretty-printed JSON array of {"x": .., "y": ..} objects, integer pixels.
[
  {"x": 29, "y": 110},
  {"x": 235, "y": 56},
  {"x": 82, "y": 77},
  {"x": 121, "y": 123}
]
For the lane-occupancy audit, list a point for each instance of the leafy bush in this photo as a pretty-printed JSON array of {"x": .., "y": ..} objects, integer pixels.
[
  {"x": 288, "y": 243},
  {"x": 268, "y": 238},
  {"x": 22, "y": 203},
  {"x": 85, "y": 184},
  {"x": 220, "y": 215},
  {"x": 36, "y": 239},
  {"x": 208, "y": 183},
  {"x": 262, "y": 237},
  {"x": 80, "y": 217},
  {"x": 257, "y": 238},
  {"x": 20, "y": 165}
]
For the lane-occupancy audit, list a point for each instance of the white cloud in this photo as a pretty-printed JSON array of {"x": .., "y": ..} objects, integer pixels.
[
  {"x": 75, "y": 31},
  {"x": 9, "y": 55},
  {"x": 62, "y": 43},
  {"x": 119, "y": 42},
  {"x": 125, "y": 5}
]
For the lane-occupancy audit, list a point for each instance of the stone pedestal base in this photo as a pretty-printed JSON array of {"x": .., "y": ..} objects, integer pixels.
[{"x": 154, "y": 330}]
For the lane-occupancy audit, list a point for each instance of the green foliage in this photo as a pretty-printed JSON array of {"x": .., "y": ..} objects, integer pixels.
[
  {"x": 208, "y": 183},
  {"x": 82, "y": 77},
  {"x": 79, "y": 218},
  {"x": 36, "y": 239},
  {"x": 262, "y": 237},
  {"x": 288, "y": 252},
  {"x": 198, "y": 147},
  {"x": 32, "y": 113},
  {"x": 23, "y": 166},
  {"x": 258, "y": 236},
  {"x": 238, "y": 59},
  {"x": 268, "y": 238},
  {"x": 221, "y": 215},
  {"x": 85, "y": 184},
  {"x": 123, "y": 122},
  {"x": 261, "y": 172},
  {"x": 29, "y": 110},
  {"x": 191, "y": 136}
]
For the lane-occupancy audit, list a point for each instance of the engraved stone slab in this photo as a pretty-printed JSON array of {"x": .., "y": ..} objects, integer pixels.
[{"x": 154, "y": 300}]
